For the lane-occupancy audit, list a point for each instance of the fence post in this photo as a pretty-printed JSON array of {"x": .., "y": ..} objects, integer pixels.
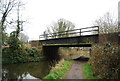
[
  {"x": 55, "y": 35},
  {"x": 39, "y": 37},
  {"x": 67, "y": 34},
  {"x": 98, "y": 30},
  {"x": 80, "y": 32}
]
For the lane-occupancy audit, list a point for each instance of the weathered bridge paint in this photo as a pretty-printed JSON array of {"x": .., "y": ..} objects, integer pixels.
[
  {"x": 72, "y": 40},
  {"x": 69, "y": 45}
]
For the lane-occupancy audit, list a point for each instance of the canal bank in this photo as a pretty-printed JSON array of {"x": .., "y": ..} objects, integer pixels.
[
  {"x": 45, "y": 70},
  {"x": 59, "y": 70}
]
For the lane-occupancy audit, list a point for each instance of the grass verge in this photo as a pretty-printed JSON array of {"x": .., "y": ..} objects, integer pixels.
[
  {"x": 59, "y": 70},
  {"x": 88, "y": 72}
]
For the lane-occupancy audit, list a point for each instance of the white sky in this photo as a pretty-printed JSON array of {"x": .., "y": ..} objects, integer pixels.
[{"x": 41, "y": 13}]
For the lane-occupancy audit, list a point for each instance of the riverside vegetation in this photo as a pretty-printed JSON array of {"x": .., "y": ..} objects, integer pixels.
[
  {"x": 18, "y": 53},
  {"x": 105, "y": 61}
]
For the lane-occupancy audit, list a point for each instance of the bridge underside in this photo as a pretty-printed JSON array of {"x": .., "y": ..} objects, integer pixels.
[
  {"x": 51, "y": 46},
  {"x": 68, "y": 45},
  {"x": 78, "y": 41}
]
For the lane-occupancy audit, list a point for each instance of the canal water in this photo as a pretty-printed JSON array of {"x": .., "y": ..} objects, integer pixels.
[{"x": 32, "y": 70}]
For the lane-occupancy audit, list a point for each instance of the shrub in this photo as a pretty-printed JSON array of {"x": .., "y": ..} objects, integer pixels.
[
  {"x": 17, "y": 51},
  {"x": 33, "y": 52},
  {"x": 105, "y": 61}
]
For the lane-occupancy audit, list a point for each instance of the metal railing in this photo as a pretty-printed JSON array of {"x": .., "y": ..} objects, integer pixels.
[{"x": 71, "y": 33}]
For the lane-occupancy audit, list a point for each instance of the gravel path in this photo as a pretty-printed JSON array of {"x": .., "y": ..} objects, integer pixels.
[{"x": 76, "y": 71}]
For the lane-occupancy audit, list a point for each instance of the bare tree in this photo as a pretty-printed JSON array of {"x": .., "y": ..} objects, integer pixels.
[
  {"x": 59, "y": 26},
  {"x": 107, "y": 24},
  {"x": 6, "y": 7},
  {"x": 19, "y": 22}
]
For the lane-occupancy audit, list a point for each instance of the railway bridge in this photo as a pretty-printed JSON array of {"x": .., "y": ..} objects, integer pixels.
[{"x": 83, "y": 37}]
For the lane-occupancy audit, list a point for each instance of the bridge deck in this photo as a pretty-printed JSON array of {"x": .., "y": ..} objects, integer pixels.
[{"x": 72, "y": 38}]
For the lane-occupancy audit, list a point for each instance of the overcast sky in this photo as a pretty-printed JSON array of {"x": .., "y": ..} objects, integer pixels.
[{"x": 41, "y": 13}]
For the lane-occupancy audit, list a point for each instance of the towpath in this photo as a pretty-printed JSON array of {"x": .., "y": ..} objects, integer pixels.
[{"x": 76, "y": 71}]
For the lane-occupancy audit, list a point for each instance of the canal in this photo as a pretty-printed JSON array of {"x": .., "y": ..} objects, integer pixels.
[{"x": 21, "y": 71}]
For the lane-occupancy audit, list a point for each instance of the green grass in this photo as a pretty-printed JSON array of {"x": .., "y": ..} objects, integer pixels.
[
  {"x": 88, "y": 72},
  {"x": 59, "y": 71}
]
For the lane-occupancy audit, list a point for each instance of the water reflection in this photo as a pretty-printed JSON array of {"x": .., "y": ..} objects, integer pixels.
[
  {"x": 33, "y": 70},
  {"x": 27, "y": 76}
]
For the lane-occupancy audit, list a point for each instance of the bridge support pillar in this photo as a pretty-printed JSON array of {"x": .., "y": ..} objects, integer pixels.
[{"x": 51, "y": 52}]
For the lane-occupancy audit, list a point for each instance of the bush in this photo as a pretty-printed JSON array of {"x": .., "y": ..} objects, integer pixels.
[
  {"x": 17, "y": 52},
  {"x": 33, "y": 52},
  {"x": 16, "y": 48},
  {"x": 105, "y": 61},
  {"x": 5, "y": 52}
]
